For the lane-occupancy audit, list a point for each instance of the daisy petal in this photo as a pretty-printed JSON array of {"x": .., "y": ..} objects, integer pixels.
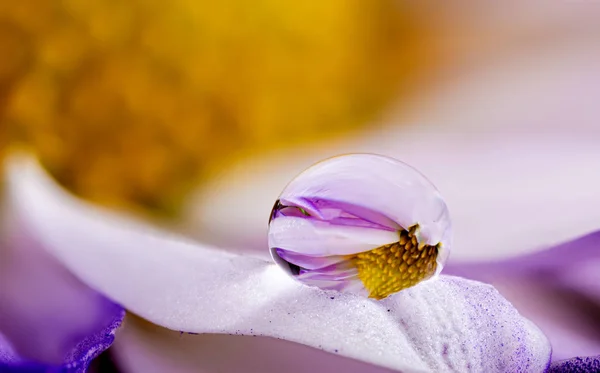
[
  {"x": 308, "y": 262},
  {"x": 442, "y": 325},
  {"x": 143, "y": 347},
  {"x": 336, "y": 210},
  {"x": 49, "y": 320},
  {"x": 315, "y": 237},
  {"x": 402, "y": 195},
  {"x": 76, "y": 361},
  {"x": 577, "y": 365},
  {"x": 557, "y": 288}
]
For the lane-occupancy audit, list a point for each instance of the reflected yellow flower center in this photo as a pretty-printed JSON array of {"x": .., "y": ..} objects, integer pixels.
[{"x": 391, "y": 268}]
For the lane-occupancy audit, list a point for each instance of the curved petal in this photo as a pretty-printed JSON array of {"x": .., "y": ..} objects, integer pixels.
[
  {"x": 443, "y": 324},
  {"x": 577, "y": 365},
  {"x": 316, "y": 237},
  {"x": 559, "y": 289},
  {"x": 391, "y": 188},
  {"x": 308, "y": 262},
  {"x": 77, "y": 360},
  {"x": 342, "y": 213},
  {"x": 47, "y": 316},
  {"x": 148, "y": 348}
]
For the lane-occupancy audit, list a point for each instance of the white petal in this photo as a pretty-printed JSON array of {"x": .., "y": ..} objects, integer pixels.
[
  {"x": 315, "y": 237},
  {"x": 441, "y": 325},
  {"x": 147, "y": 348}
]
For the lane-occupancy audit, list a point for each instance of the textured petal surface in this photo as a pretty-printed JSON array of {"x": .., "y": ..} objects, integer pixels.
[
  {"x": 558, "y": 288},
  {"x": 444, "y": 324},
  {"x": 589, "y": 364},
  {"x": 147, "y": 348},
  {"x": 47, "y": 316},
  {"x": 77, "y": 360}
]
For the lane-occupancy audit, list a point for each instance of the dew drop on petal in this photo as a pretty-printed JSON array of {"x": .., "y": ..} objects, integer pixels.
[{"x": 374, "y": 219}]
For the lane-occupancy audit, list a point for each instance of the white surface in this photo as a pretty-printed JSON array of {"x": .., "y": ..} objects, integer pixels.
[
  {"x": 150, "y": 349},
  {"x": 196, "y": 289}
]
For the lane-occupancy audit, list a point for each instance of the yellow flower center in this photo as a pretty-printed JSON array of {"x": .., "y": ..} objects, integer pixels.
[
  {"x": 391, "y": 268},
  {"x": 133, "y": 103}
]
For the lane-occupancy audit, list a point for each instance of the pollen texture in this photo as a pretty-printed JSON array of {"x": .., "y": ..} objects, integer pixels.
[{"x": 391, "y": 268}]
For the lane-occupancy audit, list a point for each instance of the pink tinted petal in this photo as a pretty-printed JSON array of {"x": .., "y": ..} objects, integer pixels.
[
  {"x": 441, "y": 325},
  {"x": 77, "y": 360},
  {"x": 570, "y": 322},
  {"x": 557, "y": 259},
  {"x": 557, "y": 288},
  {"x": 379, "y": 184},
  {"x": 308, "y": 206},
  {"x": 335, "y": 210},
  {"x": 48, "y": 318},
  {"x": 590, "y": 364},
  {"x": 307, "y": 261},
  {"x": 321, "y": 238},
  {"x": 147, "y": 348},
  {"x": 139, "y": 350},
  {"x": 44, "y": 310},
  {"x": 334, "y": 272},
  {"x": 585, "y": 279}
]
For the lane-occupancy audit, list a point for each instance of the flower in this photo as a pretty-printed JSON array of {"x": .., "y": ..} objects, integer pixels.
[
  {"x": 194, "y": 288},
  {"x": 215, "y": 292},
  {"x": 445, "y": 323},
  {"x": 508, "y": 194},
  {"x": 49, "y": 320},
  {"x": 360, "y": 223},
  {"x": 516, "y": 175},
  {"x": 184, "y": 286}
]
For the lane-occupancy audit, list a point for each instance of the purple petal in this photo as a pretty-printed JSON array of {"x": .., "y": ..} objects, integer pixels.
[
  {"x": 307, "y": 261},
  {"x": 557, "y": 259},
  {"x": 559, "y": 289},
  {"x": 150, "y": 348},
  {"x": 381, "y": 185},
  {"x": 440, "y": 325},
  {"x": 589, "y": 364},
  {"x": 342, "y": 213},
  {"x": 333, "y": 272},
  {"x": 76, "y": 361},
  {"x": 320, "y": 238},
  {"x": 330, "y": 273},
  {"x": 48, "y": 318}
]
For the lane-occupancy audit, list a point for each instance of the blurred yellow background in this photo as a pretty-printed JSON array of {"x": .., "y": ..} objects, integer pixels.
[{"x": 131, "y": 103}]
